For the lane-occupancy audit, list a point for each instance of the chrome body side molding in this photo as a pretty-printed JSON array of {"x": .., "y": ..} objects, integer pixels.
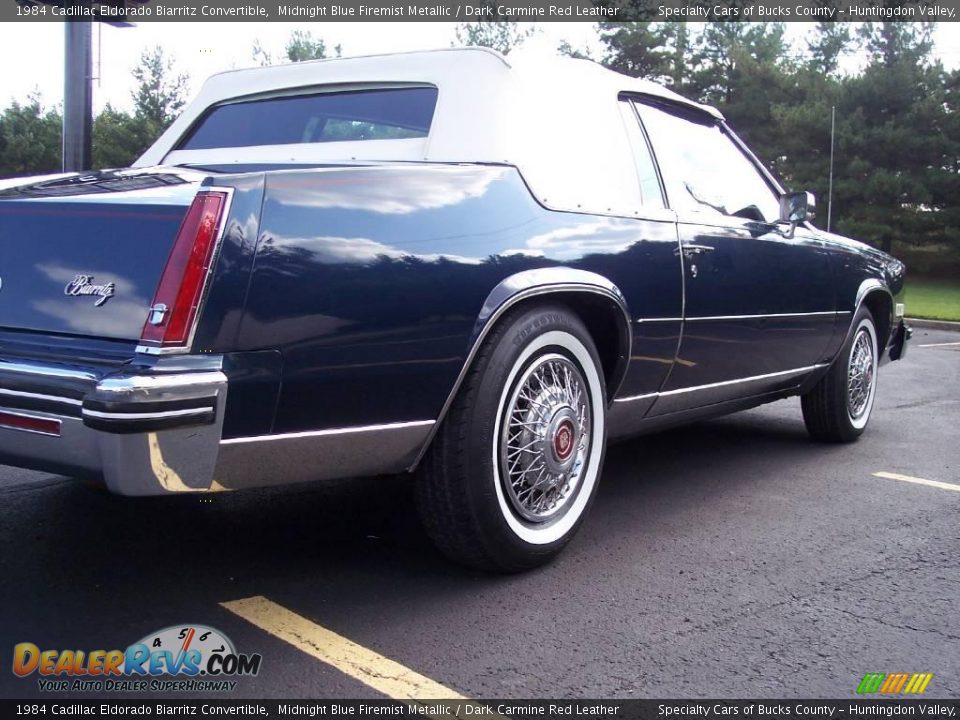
[
  {"x": 673, "y": 407},
  {"x": 725, "y": 383},
  {"x": 39, "y": 396},
  {"x": 26, "y": 369},
  {"x": 325, "y": 433},
  {"x": 823, "y": 313},
  {"x": 320, "y": 455}
]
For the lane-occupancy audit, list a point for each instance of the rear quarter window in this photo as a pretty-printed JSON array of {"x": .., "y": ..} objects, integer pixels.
[{"x": 381, "y": 114}]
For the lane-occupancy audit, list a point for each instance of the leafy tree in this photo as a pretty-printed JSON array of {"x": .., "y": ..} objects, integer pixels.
[
  {"x": 502, "y": 36},
  {"x": 30, "y": 138},
  {"x": 303, "y": 46},
  {"x": 160, "y": 94}
]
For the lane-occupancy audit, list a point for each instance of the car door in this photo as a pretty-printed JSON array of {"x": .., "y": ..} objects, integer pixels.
[
  {"x": 650, "y": 275},
  {"x": 759, "y": 306}
]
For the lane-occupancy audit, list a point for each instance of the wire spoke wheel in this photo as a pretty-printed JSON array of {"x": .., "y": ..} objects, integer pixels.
[
  {"x": 516, "y": 464},
  {"x": 838, "y": 407},
  {"x": 545, "y": 439},
  {"x": 860, "y": 375}
]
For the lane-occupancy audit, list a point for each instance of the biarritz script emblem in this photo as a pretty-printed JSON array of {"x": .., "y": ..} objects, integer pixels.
[{"x": 83, "y": 285}]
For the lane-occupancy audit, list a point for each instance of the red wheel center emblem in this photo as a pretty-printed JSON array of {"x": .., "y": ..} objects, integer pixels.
[{"x": 563, "y": 440}]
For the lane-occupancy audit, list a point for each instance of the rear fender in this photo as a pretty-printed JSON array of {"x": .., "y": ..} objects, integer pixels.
[{"x": 567, "y": 285}]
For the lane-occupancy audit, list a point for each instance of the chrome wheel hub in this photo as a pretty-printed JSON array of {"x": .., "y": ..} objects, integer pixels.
[
  {"x": 545, "y": 440},
  {"x": 860, "y": 375}
]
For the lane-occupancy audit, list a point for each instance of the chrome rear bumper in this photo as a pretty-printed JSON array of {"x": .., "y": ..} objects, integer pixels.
[{"x": 142, "y": 433}]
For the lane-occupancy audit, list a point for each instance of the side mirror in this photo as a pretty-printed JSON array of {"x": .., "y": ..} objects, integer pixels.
[{"x": 796, "y": 208}]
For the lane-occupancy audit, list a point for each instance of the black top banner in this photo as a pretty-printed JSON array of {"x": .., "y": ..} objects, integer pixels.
[
  {"x": 490, "y": 709},
  {"x": 480, "y": 10}
]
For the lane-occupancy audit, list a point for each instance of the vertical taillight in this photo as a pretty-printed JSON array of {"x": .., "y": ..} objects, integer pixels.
[{"x": 178, "y": 295}]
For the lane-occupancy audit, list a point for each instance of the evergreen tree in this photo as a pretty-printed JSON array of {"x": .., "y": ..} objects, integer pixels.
[
  {"x": 119, "y": 138},
  {"x": 731, "y": 51},
  {"x": 638, "y": 49},
  {"x": 891, "y": 151},
  {"x": 830, "y": 41}
]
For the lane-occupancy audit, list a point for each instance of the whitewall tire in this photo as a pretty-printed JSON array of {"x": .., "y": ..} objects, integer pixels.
[
  {"x": 514, "y": 467},
  {"x": 838, "y": 407}
]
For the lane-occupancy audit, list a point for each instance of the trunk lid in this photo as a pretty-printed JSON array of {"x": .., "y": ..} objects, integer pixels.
[{"x": 82, "y": 254}]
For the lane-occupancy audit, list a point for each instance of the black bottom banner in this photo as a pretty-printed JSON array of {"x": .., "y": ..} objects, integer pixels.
[{"x": 462, "y": 708}]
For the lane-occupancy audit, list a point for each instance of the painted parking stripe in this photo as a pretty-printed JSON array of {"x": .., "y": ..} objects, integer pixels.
[
  {"x": 948, "y": 344},
  {"x": 372, "y": 669},
  {"x": 918, "y": 481}
]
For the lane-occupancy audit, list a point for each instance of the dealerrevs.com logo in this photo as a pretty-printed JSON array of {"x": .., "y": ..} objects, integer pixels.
[{"x": 180, "y": 658}]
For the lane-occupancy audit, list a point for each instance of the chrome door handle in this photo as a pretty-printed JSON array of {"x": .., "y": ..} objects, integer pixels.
[{"x": 691, "y": 249}]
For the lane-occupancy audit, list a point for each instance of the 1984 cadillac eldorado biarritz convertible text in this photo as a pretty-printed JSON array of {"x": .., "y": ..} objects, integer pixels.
[{"x": 449, "y": 263}]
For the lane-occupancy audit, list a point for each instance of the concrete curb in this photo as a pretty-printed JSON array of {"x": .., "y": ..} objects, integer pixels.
[{"x": 934, "y": 324}]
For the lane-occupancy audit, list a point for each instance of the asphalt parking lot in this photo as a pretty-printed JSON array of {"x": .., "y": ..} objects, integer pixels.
[{"x": 733, "y": 558}]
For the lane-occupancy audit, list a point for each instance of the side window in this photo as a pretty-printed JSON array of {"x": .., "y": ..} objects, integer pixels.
[
  {"x": 703, "y": 169},
  {"x": 650, "y": 193}
]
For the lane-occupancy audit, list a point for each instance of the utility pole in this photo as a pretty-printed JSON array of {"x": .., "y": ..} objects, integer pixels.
[{"x": 77, "y": 96}]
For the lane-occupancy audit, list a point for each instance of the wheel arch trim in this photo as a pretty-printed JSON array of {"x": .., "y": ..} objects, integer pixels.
[
  {"x": 867, "y": 289},
  {"x": 528, "y": 284}
]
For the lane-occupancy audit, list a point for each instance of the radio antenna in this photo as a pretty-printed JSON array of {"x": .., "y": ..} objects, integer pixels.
[{"x": 833, "y": 128}]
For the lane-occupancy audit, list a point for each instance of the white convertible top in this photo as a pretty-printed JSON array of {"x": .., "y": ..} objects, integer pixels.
[{"x": 555, "y": 118}]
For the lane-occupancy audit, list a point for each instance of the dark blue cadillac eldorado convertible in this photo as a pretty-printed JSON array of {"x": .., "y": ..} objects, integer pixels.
[{"x": 447, "y": 263}]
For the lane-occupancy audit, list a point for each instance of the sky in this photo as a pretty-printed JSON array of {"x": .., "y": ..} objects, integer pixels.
[{"x": 203, "y": 48}]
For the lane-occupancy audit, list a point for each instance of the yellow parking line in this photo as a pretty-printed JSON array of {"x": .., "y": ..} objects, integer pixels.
[
  {"x": 372, "y": 669},
  {"x": 918, "y": 481}
]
